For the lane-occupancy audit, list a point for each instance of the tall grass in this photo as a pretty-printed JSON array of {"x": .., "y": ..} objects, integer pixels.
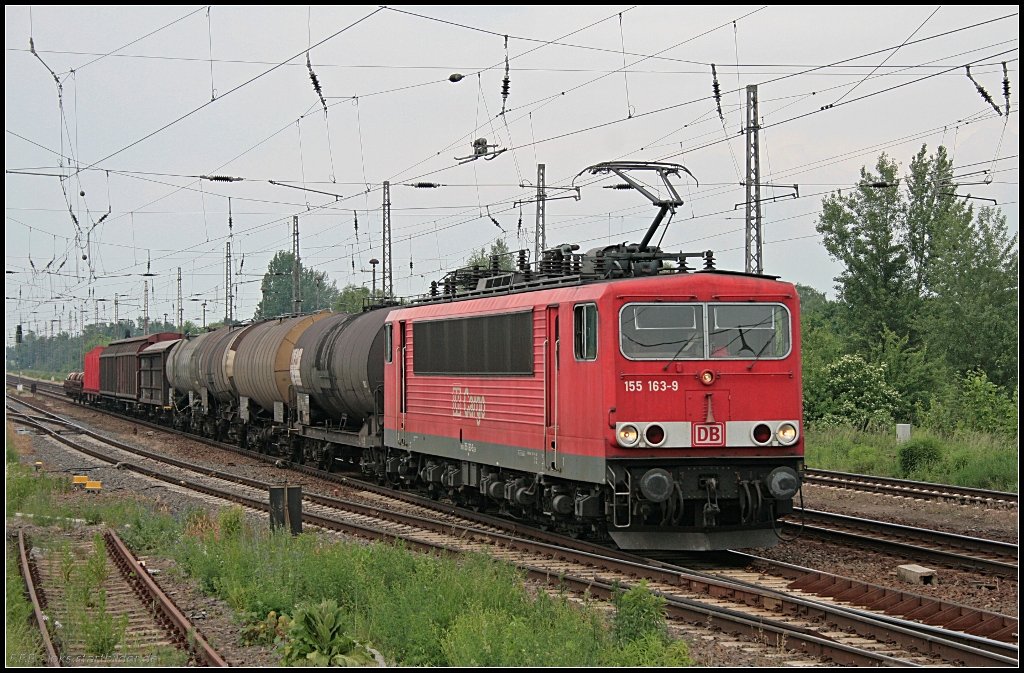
[
  {"x": 418, "y": 610},
  {"x": 976, "y": 460}
]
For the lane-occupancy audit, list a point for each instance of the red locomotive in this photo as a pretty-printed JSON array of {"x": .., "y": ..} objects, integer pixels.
[{"x": 663, "y": 410}]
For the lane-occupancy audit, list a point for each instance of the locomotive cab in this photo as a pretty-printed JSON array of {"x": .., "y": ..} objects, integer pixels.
[{"x": 705, "y": 438}]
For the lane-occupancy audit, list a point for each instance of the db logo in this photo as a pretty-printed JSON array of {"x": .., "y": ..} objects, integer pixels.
[{"x": 708, "y": 434}]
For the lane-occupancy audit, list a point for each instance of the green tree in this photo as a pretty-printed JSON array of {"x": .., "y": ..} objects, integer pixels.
[
  {"x": 867, "y": 230},
  {"x": 499, "y": 252},
  {"x": 973, "y": 278},
  {"x": 821, "y": 339},
  {"x": 317, "y": 291},
  {"x": 62, "y": 353},
  {"x": 350, "y": 298},
  {"x": 974, "y": 403},
  {"x": 921, "y": 270},
  {"x": 913, "y": 372}
]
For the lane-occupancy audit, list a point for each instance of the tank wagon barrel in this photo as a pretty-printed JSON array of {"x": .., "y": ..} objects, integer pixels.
[
  {"x": 198, "y": 363},
  {"x": 339, "y": 363},
  {"x": 261, "y": 366}
]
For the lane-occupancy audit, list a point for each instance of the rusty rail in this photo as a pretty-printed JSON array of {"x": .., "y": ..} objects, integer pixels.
[
  {"x": 37, "y": 609},
  {"x": 164, "y": 608}
]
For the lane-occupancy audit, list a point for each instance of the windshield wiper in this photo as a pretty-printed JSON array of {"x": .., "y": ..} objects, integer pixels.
[
  {"x": 756, "y": 357},
  {"x": 744, "y": 346},
  {"x": 681, "y": 348}
]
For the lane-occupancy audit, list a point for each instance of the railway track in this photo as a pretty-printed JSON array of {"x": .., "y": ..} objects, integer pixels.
[
  {"x": 948, "y": 549},
  {"x": 882, "y": 601},
  {"x": 95, "y": 604},
  {"x": 834, "y": 633},
  {"x": 918, "y": 490},
  {"x": 931, "y": 546}
]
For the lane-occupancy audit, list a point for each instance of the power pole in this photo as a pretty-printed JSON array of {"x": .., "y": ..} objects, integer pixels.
[
  {"x": 540, "y": 242},
  {"x": 115, "y": 311},
  {"x": 181, "y": 309},
  {"x": 228, "y": 313},
  {"x": 145, "y": 307},
  {"x": 387, "y": 286},
  {"x": 296, "y": 268},
  {"x": 229, "y": 307},
  {"x": 754, "y": 261}
]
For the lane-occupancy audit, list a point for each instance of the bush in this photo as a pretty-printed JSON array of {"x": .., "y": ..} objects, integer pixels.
[
  {"x": 418, "y": 610},
  {"x": 974, "y": 459},
  {"x": 975, "y": 404},
  {"x": 231, "y": 522},
  {"x": 638, "y": 613},
  {"x": 851, "y": 392},
  {"x": 103, "y": 632},
  {"x": 148, "y": 532},
  {"x": 641, "y": 632},
  {"x": 547, "y": 632},
  {"x": 918, "y": 454}
]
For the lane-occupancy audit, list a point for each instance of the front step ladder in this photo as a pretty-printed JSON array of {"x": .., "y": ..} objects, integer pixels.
[{"x": 620, "y": 498}]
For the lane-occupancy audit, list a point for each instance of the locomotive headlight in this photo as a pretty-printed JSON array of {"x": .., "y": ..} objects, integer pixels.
[
  {"x": 786, "y": 433},
  {"x": 628, "y": 435},
  {"x": 707, "y": 377}
]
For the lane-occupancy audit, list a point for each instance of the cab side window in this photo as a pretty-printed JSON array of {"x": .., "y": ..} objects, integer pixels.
[{"x": 585, "y": 331}]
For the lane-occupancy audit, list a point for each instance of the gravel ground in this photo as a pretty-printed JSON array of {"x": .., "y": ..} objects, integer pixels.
[
  {"x": 974, "y": 520},
  {"x": 212, "y": 617},
  {"x": 708, "y": 647},
  {"x": 997, "y": 594}
]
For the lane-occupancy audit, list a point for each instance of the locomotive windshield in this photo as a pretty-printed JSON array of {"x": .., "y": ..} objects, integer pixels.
[{"x": 700, "y": 331}]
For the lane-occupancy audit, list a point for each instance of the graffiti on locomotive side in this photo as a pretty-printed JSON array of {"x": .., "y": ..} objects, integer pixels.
[{"x": 467, "y": 405}]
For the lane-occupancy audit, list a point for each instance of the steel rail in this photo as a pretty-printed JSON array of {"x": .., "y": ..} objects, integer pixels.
[
  {"x": 921, "y": 490},
  {"x": 910, "y": 540},
  {"x": 187, "y": 635},
  {"x": 37, "y": 608}
]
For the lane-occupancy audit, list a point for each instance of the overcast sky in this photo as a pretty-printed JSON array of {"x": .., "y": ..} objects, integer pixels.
[{"x": 150, "y": 98}]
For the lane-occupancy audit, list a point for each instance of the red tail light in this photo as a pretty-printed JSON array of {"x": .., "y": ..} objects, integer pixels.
[
  {"x": 654, "y": 434},
  {"x": 762, "y": 433}
]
